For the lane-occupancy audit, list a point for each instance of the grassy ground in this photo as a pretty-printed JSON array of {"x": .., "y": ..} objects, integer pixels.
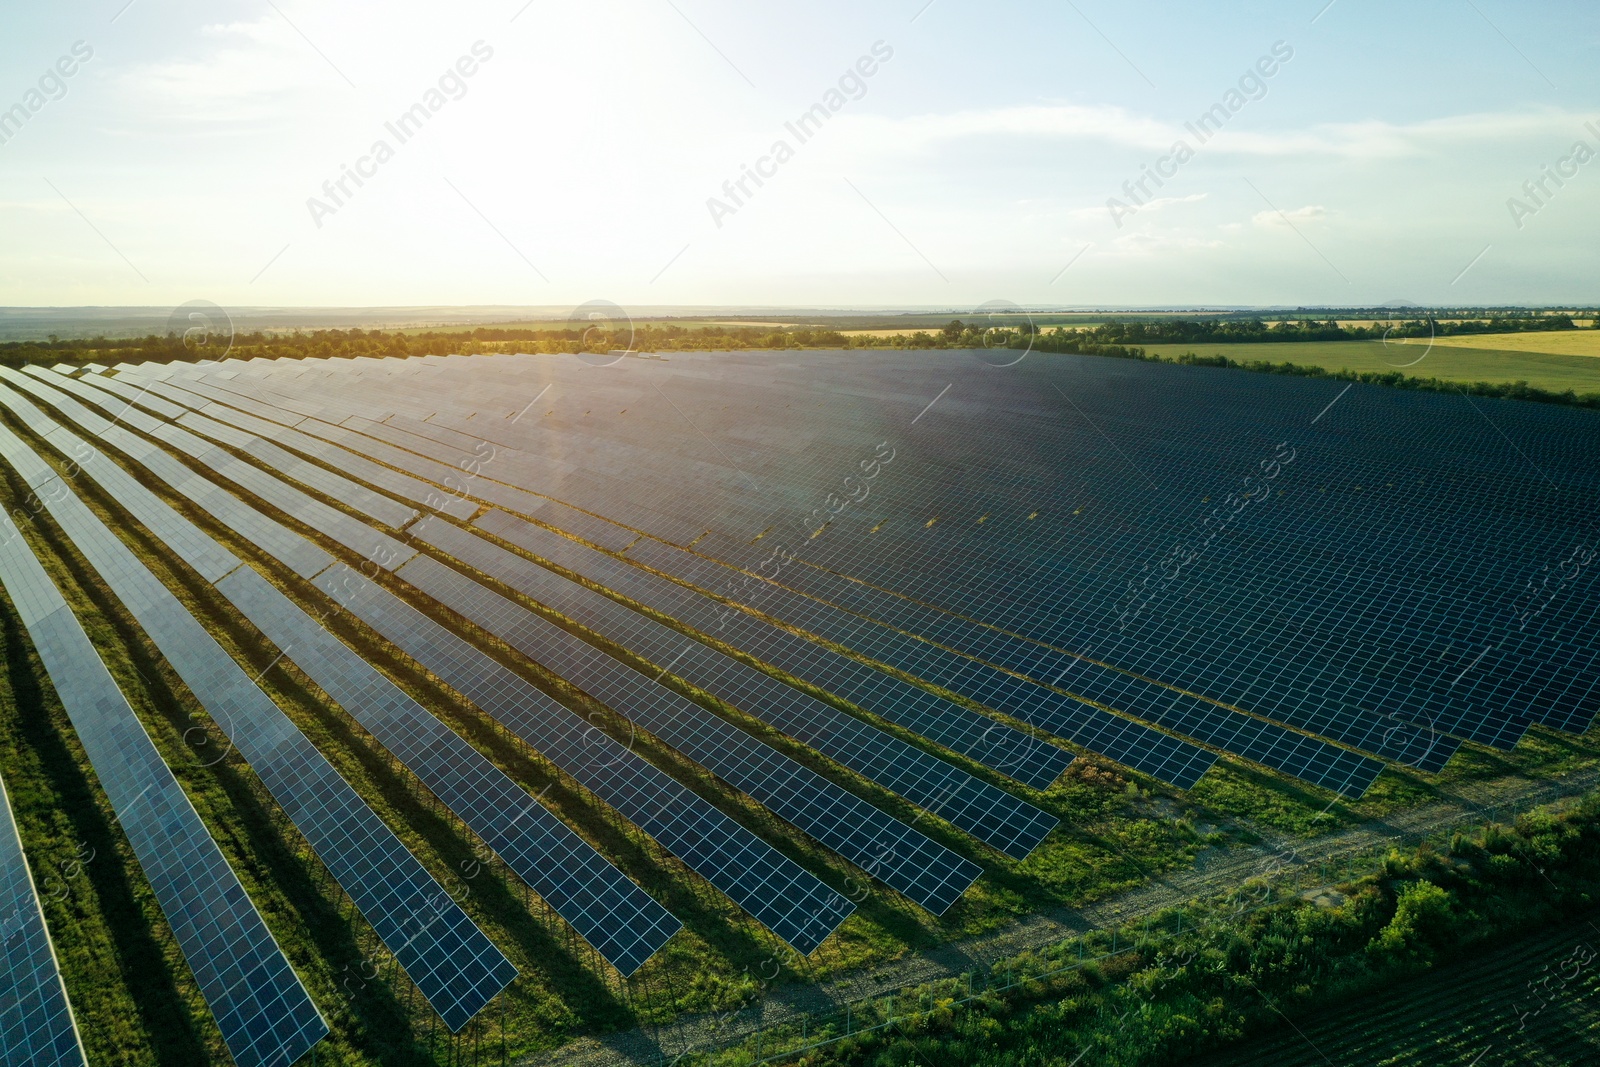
[
  {"x": 1455, "y": 361},
  {"x": 1534, "y": 1001}
]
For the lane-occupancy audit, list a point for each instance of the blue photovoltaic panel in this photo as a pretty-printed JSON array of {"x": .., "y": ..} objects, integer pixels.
[
  {"x": 1304, "y": 757},
  {"x": 1324, "y": 610},
  {"x": 787, "y": 899},
  {"x": 916, "y": 709},
  {"x": 996, "y": 745},
  {"x": 895, "y": 853},
  {"x": 264, "y": 1013},
  {"x": 353, "y": 534},
  {"x": 277, "y": 540},
  {"x": 988, "y": 813},
  {"x": 36, "y": 1024},
  {"x": 457, "y": 968},
  {"x": 389, "y": 480},
  {"x": 326, "y": 482},
  {"x": 178, "y": 533},
  {"x": 618, "y": 918}
]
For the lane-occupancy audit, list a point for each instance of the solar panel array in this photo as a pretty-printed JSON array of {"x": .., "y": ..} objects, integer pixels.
[
  {"x": 986, "y": 812},
  {"x": 822, "y": 908},
  {"x": 996, "y": 556},
  {"x": 1403, "y": 678},
  {"x": 266, "y": 1017},
  {"x": 36, "y": 1024},
  {"x": 457, "y": 968},
  {"x": 783, "y": 896},
  {"x": 617, "y": 917},
  {"x": 895, "y": 853},
  {"x": 623, "y": 922}
]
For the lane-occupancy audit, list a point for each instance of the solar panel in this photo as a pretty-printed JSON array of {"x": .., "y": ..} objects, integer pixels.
[
  {"x": 895, "y": 853},
  {"x": 329, "y": 484},
  {"x": 1125, "y": 741},
  {"x": 265, "y": 1015},
  {"x": 179, "y": 534},
  {"x": 997, "y": 745},
  {"x": 1303, "y": 757},
  {"x": 780, "y": 894},
  {"x": 1363, "y": 730},
  {"x": 386, "y": 479},
  {"x": 277, "y": 540},
  {"x": 372, "y": 544},
  {"x": 990, "y": 814},
  {"x": 899, "y": 702},
  {"x": 615, "y": 916},
  {"x": 36, "y": 1024},
  {"x": 457, "y": 968}
]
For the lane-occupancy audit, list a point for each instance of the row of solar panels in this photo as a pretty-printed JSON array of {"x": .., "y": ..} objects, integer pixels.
[
  {"x": 1403, "y": 724},
  {"x": 264, "y": 1013}
]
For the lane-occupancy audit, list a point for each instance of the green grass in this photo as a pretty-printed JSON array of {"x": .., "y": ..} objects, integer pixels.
[
  {"x": 1470, "y": 1012},
  {"x": 1542, "y": 370}
]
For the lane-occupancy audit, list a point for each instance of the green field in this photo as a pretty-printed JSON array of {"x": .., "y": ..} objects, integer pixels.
[{"x": 1543, "y": 370}]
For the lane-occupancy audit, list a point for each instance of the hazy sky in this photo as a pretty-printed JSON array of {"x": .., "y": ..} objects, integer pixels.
[{"x": 577, "y": 158}]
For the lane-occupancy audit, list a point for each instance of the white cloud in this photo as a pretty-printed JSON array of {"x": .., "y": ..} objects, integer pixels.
[
  {"x": 1293, "y": 216},
  {"x": 1371, "y": 139}
]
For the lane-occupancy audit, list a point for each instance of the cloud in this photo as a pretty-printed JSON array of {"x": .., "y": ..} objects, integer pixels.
[
  {"x": 1098, "y": 212},
  {"x": 1291, "y": 217},
  {"x": 1371, "y": 139}
]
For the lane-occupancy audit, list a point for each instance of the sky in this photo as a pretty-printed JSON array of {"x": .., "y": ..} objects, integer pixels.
[{"x": 959, "y": 153}]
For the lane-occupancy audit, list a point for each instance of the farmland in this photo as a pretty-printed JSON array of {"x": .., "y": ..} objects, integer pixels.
[{"x": 1556, "y": 361}]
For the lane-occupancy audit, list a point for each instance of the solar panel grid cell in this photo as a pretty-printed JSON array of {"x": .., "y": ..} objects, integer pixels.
[
  {"x": 623, "y": 923},
  {"x": 925, "y": 568},
  {"x": 994, "y": 744},
  {"x": 999, "y": 450}
]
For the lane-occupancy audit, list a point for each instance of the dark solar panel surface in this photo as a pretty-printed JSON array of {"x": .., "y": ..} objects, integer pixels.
[
  {"x": 897, "y": 854},
  {"x": 977, "y": 807},
  {"x": 617, "y": 917},
  {"x": 784, "y": 897},
  {"x": 36, "y": 1025},
  {"x": 272, "y": 537},
  {"x": 1016, "y": 564},
  {"x": 457, "y": 968},
  {"x": 935, "y": 718},
  {"x": 1413, "y": 579},
  {"x": 264, "y": 1013}
]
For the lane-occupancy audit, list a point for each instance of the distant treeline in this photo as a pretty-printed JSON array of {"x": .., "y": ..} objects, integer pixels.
[
  {"x": 1248, "y": 331},
  {"x": 669, "y": 337}
]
